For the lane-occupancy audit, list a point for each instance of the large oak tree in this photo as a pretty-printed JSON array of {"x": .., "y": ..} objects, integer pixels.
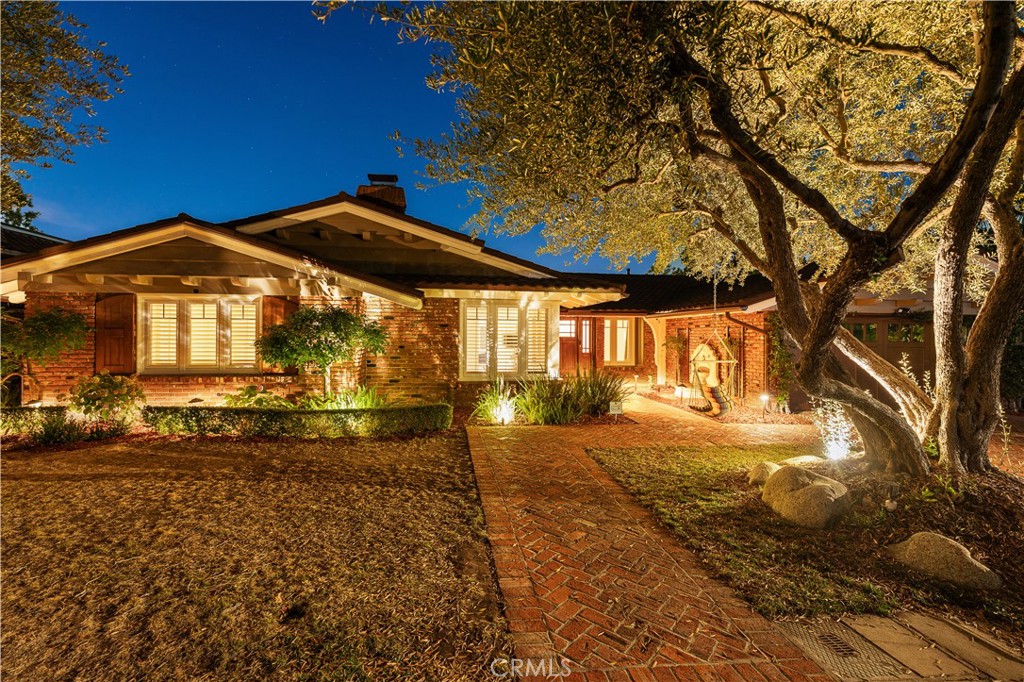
[{"x": 867, "y": 138}]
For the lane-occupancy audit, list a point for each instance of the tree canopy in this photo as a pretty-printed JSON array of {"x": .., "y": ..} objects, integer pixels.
[
  {"x": 320, "y": 336},
  {"x": 724, "y": 137},
  {"x": 52, "y": 77}
]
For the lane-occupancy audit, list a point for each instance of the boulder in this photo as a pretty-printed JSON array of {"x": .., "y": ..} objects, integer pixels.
[
  {"x": 946, "y": 560},
  {"x": 805, "y": 498},
  {"x": 760, "y": 472}
]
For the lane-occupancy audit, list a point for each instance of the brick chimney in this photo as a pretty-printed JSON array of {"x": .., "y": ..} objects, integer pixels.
[{"x": 384, "y": 190}]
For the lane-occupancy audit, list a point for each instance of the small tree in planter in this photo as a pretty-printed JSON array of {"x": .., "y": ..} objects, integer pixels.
[
  {"x": 320, "y": 336},
  {"x": 38, "y": 340}
]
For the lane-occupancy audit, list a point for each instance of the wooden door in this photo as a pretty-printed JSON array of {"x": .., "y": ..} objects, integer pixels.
[
  {"x": 115, "y": 334},
  {"x": 568, "y": 346}
]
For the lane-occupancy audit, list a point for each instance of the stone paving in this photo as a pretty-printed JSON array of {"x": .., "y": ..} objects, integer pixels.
[{"x": 589, "y": 575}]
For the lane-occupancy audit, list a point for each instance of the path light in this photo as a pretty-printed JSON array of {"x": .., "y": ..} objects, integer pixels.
[
  {"x": 764, "y": 406},
  {"x": 679, "y": 393},
  {"x": 837, "y": 449},
  {"x": 504, "y": 412}
]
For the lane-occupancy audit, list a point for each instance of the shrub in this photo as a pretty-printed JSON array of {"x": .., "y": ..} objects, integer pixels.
[
  {"x": 496, "y": 404},
  {"x": 249, "y": 422},
  {"x": 597, "y": 390},
  {"x": 107, "y": 397},
  {"x": 543, "y": 401},
  {"x": 363, "y": 397},
  {"x": 21, "y": 421},
  {"x": 57, "y": 427},
  {"x": 259, "y": 397}
]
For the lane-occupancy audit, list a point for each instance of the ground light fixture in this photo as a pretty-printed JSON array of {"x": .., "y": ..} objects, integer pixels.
[
  {"x": 504, "y": 412},
  {"x": 764, "y": 406}
]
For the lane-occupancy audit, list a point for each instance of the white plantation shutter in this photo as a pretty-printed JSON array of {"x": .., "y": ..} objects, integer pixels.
[
  {"x": 242, "y": 321},
  {"x": 475, "y": 341},
  {"x": 202, "y": 337},
  {"x": 200, "y": 334},
  {"x": 163, "y": 334},
  {"x": 507, "y": 351},
  {"x": 537, "y": 340}
]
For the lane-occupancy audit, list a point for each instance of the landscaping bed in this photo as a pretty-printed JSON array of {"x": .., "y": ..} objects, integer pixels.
[
  {"x": 701, "y": 494},
  {"x": 223, "y": 558}
]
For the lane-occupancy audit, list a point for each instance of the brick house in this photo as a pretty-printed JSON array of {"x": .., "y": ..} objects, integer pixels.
[
  {"x": 180, "y": 301},
  {"x": 667, "y": 327}
]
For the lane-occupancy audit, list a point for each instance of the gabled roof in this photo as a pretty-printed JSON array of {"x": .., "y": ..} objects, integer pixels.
[
  {"x": 15, "y": 241},
  {"x": 342, "y": 202},
  {"x": 660, "y": 294},
  {"x": 184, "y": 225}
]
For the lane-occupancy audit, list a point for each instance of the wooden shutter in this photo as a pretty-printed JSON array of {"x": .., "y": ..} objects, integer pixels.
[
  {"x": 275, "y": 311},
  {"x": 115, "y": 333}
]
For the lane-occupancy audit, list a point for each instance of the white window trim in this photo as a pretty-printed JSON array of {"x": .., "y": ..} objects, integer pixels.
[
  {"x": 492, "y": 306},
  {"x": 143, "y": 365},
  {"x": 633, "y": 334}
]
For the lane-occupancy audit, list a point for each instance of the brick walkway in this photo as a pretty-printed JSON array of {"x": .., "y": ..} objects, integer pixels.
[{"x": 590, "y": 575}]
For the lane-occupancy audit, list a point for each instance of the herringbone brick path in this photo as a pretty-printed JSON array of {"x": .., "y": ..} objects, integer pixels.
[{"x": 589, "y": 575}]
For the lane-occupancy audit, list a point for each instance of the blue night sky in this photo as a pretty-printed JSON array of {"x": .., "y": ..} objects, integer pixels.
[{"x": 234, "y": 109}]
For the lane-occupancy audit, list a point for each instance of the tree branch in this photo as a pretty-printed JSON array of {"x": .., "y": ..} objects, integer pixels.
[
  {"x": 825, "y": 30},
  {"x": 1000, "y": 29}
]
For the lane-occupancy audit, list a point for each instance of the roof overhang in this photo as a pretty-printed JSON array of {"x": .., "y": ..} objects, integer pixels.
[
  {"x": 18, "y": 273},
  {"x": 453, "y": 242},
  {"x": 566, "y": 298}
]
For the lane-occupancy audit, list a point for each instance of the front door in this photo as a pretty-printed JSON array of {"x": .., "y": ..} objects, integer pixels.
[{"x": 568, "y": 346}]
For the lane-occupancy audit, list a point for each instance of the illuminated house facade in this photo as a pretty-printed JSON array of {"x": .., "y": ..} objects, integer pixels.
[{"x": 179, "y": 303}]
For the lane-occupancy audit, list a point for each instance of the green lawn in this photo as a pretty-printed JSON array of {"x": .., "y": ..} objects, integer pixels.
[
  {"x": 784, "y": 570},
  {"x": 225, "y": 559}
]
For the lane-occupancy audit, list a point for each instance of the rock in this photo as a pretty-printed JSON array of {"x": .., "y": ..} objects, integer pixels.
[
  {"x": 803, "y": 459},
  {"x": 805, "y": 498},
  {"x": 760, "y": 472},
  {"x": 946, "y": 560}
]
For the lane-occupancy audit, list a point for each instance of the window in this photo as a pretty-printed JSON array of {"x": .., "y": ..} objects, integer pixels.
[
  {"x": 619, "y": 341},
  {"x": 906, "y": 333},
  {"x": 585, "y": 336},
  {"x": 504, "y": 338},
  {"x": 508, "y": 339},
  {"x": 198, "y": 334},
  {"x": 867, "y": 332},
  {"x": 567, "y": 328}
]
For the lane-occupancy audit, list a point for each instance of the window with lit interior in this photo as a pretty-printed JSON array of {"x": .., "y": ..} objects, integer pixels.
[
  {"x": 619, "y": 341},
  {"x": 198, "y": 334},
  {"x": 504, "y": 338}
]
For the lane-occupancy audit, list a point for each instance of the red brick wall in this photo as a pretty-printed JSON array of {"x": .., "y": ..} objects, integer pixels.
[
  {"x": 422, "y": 359},
  {"x": 749, "y": 345},
  {"x": 58, "y": 377}
]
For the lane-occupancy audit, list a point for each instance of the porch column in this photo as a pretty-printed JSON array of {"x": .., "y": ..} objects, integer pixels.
[{"x": 657, "y": 326}]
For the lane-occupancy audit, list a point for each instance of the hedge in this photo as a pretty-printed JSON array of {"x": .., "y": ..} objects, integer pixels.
[
  {"x": 22, "y": 420},
  {"x": 248, "y": 421}
]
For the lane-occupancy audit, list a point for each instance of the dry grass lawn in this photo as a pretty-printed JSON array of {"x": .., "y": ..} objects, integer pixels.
[{"x": 220, "y": 559}]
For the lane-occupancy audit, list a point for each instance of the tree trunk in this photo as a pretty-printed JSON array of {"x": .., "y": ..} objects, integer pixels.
[
  {"x": 967, "y": 377},
  {"x": 327, "y": 380}
]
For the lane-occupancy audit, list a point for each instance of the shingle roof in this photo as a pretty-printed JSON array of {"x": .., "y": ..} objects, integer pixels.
[
  {"x": 15, "y": 241},
  {"x": 651, "y": 294}
]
